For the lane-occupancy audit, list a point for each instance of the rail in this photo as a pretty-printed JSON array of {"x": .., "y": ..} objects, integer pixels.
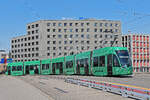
[{"x": 122, "y": 89}]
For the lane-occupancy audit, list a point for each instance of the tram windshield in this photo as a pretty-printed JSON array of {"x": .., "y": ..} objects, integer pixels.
[{"x": 124, "y": 58}]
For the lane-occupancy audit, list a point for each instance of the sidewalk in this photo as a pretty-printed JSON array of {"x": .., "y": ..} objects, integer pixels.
[{"x": 15, "y": 89}]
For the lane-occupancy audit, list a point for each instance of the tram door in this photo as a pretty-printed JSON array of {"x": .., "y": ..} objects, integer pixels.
[
  {"x": 78, "y": 67},
  {"x": 109, "y": 65},
  {"x": 86, "y": 67},
  {"x": 53, "y": 68},
  {"x": 9, "y": 71},
  {"x": 61, "y": 67},
  {"x": 27, "y": 69},
  {"x": 36, "y": 70}
]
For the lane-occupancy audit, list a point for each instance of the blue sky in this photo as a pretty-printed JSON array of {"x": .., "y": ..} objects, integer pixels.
[{"x": 15, "y": 14}]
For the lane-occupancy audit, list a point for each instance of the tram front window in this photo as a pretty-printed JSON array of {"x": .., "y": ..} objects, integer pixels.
[{"x": 124, "y": 58}]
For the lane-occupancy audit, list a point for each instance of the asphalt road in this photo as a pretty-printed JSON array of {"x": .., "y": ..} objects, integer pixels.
[
  {"x": 60, "y": 90},
  {"x": 15, "y": 89}
]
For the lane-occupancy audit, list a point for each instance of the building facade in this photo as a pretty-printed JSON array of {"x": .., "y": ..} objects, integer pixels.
[
  {"x": 3, "y": 56},
  {"x": 139, "y": 48},
  {"x": 56, "y": 38}
]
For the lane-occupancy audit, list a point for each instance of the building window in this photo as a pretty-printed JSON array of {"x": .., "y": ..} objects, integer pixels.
[
  {"x": 48, "y": 24},
  {"x": 12, "y": 41},
  {"x": 95, "y": 30},
  {"x": 95, "y": 35},
  {"x": 87, "y": 36},
  {"x": 71, "y": 30},
  {"x": 54, "y": 48},
  {"x": 76, "y": 30},
  {"x": 106, "y": 24},
  {"x": 82, "y": 42},
  {"x": 32, "y": 26},
  {"x": 29, "y": 49},
  {"x": 116, "y": 24},
  {"x": 37, "y": 54},
  {"x": 28, "y": 44},
  {"x": 54, "y": 30},
  {"x": 59, "y": 36},
  {"x": 59, "y": 48},
  {"x": 37, "y": 25},
  {"x": 95, "y": 41},
  {"x": 101, "y": 24},
  {"x": 32, "y": 32},
  {"x": 65, "y": 36},
  {"x": 32, "y": 49},
  {"x": 71, "y": 36},
  {"x": 48, "y": 54},
  {"x": 65, "y": 47},
  {"x": 116, "y": 30},
  {"x": 59, "y": 42},
  {"x": 95, "y": 24},
  {"x": 87, "y": 24},
  {"x": 70, "y": 24},
  {"x": 37, "y": 49},
  {"x": 65, "y": 30},
  {"x": 54, "y": 42},
  {"x": 59, "y": 54},
  {"x": 48, "y": 36},
  {"x": 65, "y": 24},
  {"x": 82, "y": 35},
  {"x": 32, "y": 43},
  {"x": 28, "y": 27},
  {"x": 82, "y": 24},
  {"x": 59, "y": 24},
  {"x": 82, "y": 30},
  {"x": 36, "y": 31},
  {"x": 77, "y": 35},
  {"x": 54, "y": 24},
  {"x": 71, "y": 42},
  {"x": 76, "y": 24},
  {"x": 65, "y": 42},
  {"x": 37, "y": 42},
  {"x": 54, "y": 54},
  {"x": 48, "y": 42},
  {"x": 37, "y": 37},
  {"x": 48, "y": 30},
  {"x": 88, "y": 42},
  {"x": 28, "y": 32},
  {"x": 32, "y": 37},
  {"x": 88, "y": 30},
  {"x": 59, "y": 30},
  {"x": 111, "y": 24}
]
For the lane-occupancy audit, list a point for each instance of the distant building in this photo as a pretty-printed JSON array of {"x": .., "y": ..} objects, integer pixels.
[
  {"x": 3, "y": 62},
  {"x": 56, "y": 38},
  {"x": 139, "y": 48}
]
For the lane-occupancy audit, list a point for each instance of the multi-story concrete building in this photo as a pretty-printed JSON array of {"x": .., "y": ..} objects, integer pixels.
[
  {"x": 56, "y": 38},
  {"x": 139, "y": 48}
]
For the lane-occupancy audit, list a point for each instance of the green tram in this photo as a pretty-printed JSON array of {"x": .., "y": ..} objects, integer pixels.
[{"x": 108, "y": 61}]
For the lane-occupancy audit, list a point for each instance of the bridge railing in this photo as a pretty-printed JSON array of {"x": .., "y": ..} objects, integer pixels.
[{"x": 122, "y": 89}]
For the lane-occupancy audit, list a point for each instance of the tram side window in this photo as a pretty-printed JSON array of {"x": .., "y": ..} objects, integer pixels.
[
  {"x": 69, "y": 64},
  {"x": 31, "y": 67},
  {"x": 115, "y": 61},
  {"x": 57, "y": 65},
  {"x": 102, "y": 61},
  {"x": 95, "y": 62},
  {"x": 43, "y": 66},
  {"x": 86, "y": 62},
  {"x": 47, "y": 66},
  {"x": 19, "y": 68},
  {"x": 81, "y": 62},
  {"x": 13, "y": 68},
  {"x": 54, "y": 65}
]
